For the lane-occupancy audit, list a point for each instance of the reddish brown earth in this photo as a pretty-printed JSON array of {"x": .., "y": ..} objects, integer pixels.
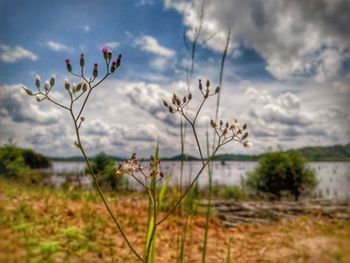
[{"x": 31, "y": 219}]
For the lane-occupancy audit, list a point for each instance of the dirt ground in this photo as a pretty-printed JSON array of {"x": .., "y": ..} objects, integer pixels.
[{"x": 46, "y": 226}]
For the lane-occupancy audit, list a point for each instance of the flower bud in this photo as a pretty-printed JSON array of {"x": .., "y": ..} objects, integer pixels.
[
  {"x": 78, "y": 87},
  {"x": 47, "y": 86},
  {"x": 118, "y": 61},
  {"x": 105, "y": 52},
  {"x": 85, "y": 87},
  {"x": 37, "y": 98},
  {"x": 37, "y": 81},
  {"x": 109, "y": 55},
  {"x": 247, "y": 144},
  {"x": 217, "y": 89},
  {"x": 82, "y": 60},
  {"x": 244, "y": 136},
  {"x": 190, "y": 96},
  {"x": 212, "y": 124},
  {"x": 28, "y": 91},
  {"x": 244, "y": 126},
  {"x": 171, "y": 110},
  {"x": 221, "y": 122},
  {"x": 208, "y": 84},
  {"x": 184, "y": 100},
  {"x": 74, "y": 88},
  {"x": 82, "y": 118},
  {"x": 165, "y": 103},
  {"x": 95, "y": 71},
  {"x": 69, "y": 65},
  {"x": 66, "y": 84},
  {"x": 200, "y": 84},
  {"x": 52, "y": 80},
  {"x": 114, "y": 66}
]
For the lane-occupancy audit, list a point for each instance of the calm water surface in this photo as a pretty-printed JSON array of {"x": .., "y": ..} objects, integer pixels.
[{"x": 333, "y": 177}]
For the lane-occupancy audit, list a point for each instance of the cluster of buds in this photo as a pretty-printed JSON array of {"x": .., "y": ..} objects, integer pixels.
[
  {"x": 177, "y": 103},
  {"x": 206, "y": 93},
  {"x": 229, "y": 132},
  {"x": 48, "y": 84},
  {"x": 107, "y": 55},
  {"x": 133, "y": 166}
]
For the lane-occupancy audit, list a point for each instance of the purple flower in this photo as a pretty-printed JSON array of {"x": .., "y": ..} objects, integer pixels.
[{"x": 67, "y": 61}]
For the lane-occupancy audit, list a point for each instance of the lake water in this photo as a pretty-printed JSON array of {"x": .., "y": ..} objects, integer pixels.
[{"x": 333, "y": 177}]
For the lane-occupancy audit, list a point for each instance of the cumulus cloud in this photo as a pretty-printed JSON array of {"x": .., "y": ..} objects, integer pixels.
[
  {"x": 13, "y": 54},
  {"x": 149, "y": 97},
  {"x": 112, "y": 44},
  {"x": 296, "y": 38},
  {"x": 58, "y": 47},
  {"x": 151, "y": 45},
  {"x": 19, "y": 107}
]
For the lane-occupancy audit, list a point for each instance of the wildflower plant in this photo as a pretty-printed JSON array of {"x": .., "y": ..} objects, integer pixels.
[{"x": 146, "y": 175}]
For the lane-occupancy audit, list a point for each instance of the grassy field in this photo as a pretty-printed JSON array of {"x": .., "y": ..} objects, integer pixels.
[{"x": 44, "y": 225}]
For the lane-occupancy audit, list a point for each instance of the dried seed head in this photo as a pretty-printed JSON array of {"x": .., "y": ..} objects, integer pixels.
[
  {"x": 221, "y": 122},
  {"x": 244, "y": 126},
  {"x": 37, "y": 98},
  {"x": 184, "y": 100},
  {"x": 226, "y": 125},
  {"x": 82, "y": 118},
  {"x": 165, "y": 103},
  {"x": 178, "y": 102},
  {"x": 244, "y": 136},
  {"x": 217, "y": 90},
  {"x": 200, "y": 84},
  {"x": 52, "y": 80},
  {"x": 190, "y": 96},
  {"x": 171, "y": 110}
]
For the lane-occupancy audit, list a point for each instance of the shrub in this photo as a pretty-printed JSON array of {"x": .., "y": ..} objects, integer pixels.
[
  {"x": 278, "y": 172},
  {"x": 232, "y": 192},
  {"x": 104, "y": 167}
]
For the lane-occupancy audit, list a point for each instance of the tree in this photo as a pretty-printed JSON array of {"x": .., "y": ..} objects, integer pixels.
[{"x": 278, "y": 172}]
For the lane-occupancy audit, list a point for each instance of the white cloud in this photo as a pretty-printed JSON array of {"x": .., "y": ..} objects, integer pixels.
[
  {"x": 296, "y": 38},
  {"x": 13, "y": 54},
  {"x": 58, "y": 47},
  {"x": 151, "y": 45},
  {"x": 112, "y": 44},
  {"x": 87, "y": 28}
]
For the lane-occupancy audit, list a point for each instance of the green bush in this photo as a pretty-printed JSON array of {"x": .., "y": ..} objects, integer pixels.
[
  {"x": 17, "y": 163},
  {"x": 104, "y": 167},
  {"x": 233, "y": 192},
  {"x": 279, "y": 172}
]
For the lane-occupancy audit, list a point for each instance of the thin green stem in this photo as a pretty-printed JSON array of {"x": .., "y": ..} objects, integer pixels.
[{"x": 99, "y": 189}]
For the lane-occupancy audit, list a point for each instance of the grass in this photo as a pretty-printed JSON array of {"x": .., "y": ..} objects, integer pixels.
[{"x": 44, "y": 225}]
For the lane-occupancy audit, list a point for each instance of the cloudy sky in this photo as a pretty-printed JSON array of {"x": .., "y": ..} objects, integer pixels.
[{"x": 287, "y": 72}]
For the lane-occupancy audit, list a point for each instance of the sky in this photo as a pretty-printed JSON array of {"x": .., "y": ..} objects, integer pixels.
[{"x": 286, "y": 74}]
